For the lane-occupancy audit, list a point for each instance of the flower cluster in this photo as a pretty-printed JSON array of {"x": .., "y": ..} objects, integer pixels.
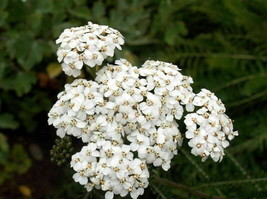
[
  {"x": 111, "y": 168},
  {"x": 128, "y": 117},
  {"x": 126, "y": 104},
  {"x": 209, "y": 128},
  {"x": 89, "y": 45},
  {"x": 148, "y": 101}
]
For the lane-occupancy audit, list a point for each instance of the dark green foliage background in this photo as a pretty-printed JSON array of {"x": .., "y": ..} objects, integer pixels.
[{"x": 222, "y": 44}]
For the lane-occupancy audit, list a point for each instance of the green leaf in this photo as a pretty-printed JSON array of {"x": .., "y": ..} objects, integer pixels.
[
  {"x": 34, "y": 56},
  {"x": 21, "y": 82},
  {"x": 255, "y": 85},
  {"x": 4, "y": 148},
  {"x": 3, "y": 16},
  {"x": 98, "y": 10},
  {"x": 20, "y": 160},
  {"x": 174, "y": 32},
  {"x": 21, "y": 47},
  {"x": 3, "y": 66},
  {"x": 24, "y": 82},
  {"x": 35, "y": 21},
  {"x": 80, "y": 2},
  {"x": 7, "y": 121},
  {"x": 225, "y": 62},
  {"x": 171, "y": 35},
  {"x": 17, "y": 12},
  {"x": 80, "y": 12},
  {"x": 19, "y": 44},
  {"x": 3, "y": 4},
  {"x": 46, "y": 6}
]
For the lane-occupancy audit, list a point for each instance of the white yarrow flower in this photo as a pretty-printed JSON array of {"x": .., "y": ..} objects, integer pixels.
[
  {"x": 89, "y": 45},
  {"x": 137, "y": 106},
  {"x": 209, "y": 127}
]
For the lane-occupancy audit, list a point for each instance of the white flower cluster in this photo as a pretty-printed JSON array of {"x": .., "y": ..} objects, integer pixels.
[
  {"x": 209, "y": 128},
  {"x": 128, "y": 116},
  {"x": 111, "y": 168},
  {"x": 127, "y": 108},
  {"x": 89, "y": 45},
  {"x": 149, "y": 100}
]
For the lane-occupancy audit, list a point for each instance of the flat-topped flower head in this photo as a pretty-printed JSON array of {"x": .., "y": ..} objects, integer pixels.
[
  {"x": 110, "y": 168},
  {"x": 86, "y": 45},
  {"x": 209, "y": 129},
  {"x": 128, "y": 117}
]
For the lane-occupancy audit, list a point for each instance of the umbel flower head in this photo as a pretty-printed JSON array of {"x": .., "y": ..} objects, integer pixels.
[
  {"x": 122, "y": 105},
  {"x": 209, "y": 129},
  {"x": 86, "y": 45},
  {"x": 128, "y": 119}
]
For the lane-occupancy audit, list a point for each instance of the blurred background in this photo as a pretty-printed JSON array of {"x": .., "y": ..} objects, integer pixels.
[{"x": 222, "y": 44}]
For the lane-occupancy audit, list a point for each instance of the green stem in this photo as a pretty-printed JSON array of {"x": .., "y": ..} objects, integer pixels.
[
  {"x": 86, "y": 195},
  {"x": 243, "y": 171},
  {"x": 233, "y": 182},
  {"x": 247, "y": 100},
  {"x": 199, "y": 169},
  {"x": 91, "y": 71},
  {"x": 240, "y": 80},
  {"x": 199, "y": 194},
  {"x": 159, "y": 192},
  {"x": 96, "y": 68},
  {"x": 234, "y": 56}
]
